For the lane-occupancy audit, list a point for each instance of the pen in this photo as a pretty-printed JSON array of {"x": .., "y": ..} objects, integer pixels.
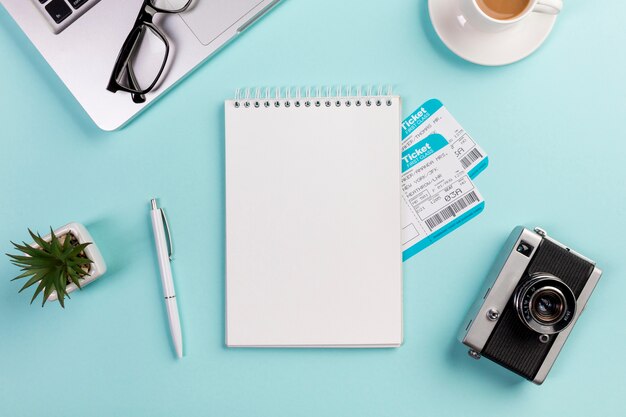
[{"x": 164, "y": 254}]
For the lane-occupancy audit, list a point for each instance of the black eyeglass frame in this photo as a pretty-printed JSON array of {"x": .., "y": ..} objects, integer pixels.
[{"x": 123, "y": 63}]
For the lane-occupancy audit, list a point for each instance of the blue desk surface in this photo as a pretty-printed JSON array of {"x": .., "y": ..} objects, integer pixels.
[{"x": 552, "y": 124}]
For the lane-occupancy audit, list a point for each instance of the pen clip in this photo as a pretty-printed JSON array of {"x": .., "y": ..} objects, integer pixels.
[{"x": 170, "y": 246}]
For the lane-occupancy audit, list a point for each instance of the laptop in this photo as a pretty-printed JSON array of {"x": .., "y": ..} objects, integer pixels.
[{"x": 81, "y": 40}]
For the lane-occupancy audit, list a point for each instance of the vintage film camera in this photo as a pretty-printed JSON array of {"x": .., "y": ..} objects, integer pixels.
[{"x": 534, "y": 294}]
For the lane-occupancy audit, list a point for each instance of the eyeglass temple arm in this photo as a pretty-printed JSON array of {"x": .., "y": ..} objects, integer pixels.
[{"x": 132, "y": 80}]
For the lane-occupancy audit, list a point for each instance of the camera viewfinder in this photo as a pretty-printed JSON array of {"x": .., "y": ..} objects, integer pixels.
[{"x": 525, "y": 248}]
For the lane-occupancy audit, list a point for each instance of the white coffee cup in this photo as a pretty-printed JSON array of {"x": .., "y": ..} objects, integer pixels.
[{"x": 475, "y": 16}]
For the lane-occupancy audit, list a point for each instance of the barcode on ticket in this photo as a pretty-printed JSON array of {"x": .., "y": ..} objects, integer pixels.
[
  {"x": 451, "y": 210},
  {"x": 472, "y": 156}
]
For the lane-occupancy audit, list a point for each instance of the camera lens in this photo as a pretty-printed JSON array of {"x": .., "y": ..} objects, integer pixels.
[{"x": 545, "y": 304}]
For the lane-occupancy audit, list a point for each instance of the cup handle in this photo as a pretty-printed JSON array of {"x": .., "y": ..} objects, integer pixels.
[{"x": 548, "y": 6}]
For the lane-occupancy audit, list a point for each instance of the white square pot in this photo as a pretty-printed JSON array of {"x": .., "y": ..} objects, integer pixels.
[{"x": 97, "y": 268}]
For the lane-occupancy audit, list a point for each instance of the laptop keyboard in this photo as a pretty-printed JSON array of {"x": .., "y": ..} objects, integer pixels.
[{"x": 62, "y": 13}]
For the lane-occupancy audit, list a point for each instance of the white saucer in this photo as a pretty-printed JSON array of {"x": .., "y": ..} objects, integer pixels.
[{"x": 487, "y": 48}]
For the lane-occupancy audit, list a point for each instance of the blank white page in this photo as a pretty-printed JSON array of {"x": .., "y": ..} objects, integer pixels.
[{"x": 313, "y": 239}]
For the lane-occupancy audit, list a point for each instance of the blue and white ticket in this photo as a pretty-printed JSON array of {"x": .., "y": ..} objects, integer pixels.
[
  {"x": 432, "y": 117},
  {"x": 438, "y": 195}
]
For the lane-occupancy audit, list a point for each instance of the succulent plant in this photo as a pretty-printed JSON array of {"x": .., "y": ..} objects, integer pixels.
[{"x": 53, "y": 264}]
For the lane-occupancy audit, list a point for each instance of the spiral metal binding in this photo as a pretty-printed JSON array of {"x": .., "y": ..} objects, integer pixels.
[{"x": 314, "y": 96}]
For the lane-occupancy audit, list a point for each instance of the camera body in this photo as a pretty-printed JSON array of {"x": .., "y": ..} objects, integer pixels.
[{"x": 534, "y": 294}]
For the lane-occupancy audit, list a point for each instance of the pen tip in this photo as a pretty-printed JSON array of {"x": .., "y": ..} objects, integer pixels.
[
  {"x": 178, "y": 345},
  {"x": 153, "y": 203}
]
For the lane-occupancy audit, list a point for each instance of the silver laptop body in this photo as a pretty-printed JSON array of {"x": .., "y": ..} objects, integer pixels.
[{"x": 82, "y": 38}]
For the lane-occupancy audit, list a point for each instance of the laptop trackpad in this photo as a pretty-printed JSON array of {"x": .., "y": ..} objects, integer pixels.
[{"x": 208, "y": 19}]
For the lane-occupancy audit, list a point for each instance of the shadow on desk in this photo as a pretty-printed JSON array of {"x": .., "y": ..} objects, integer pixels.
[
  {"x": 483, "y": 369},
  {"x": 114, "y": 244}
]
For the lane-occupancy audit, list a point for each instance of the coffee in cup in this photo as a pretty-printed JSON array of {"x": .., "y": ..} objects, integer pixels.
[
  {"x": 503, "y": 9},
  {"x": 499, "y": 15}
]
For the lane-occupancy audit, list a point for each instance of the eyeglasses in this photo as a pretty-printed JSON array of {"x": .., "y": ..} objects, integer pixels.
[{"x": 143, "y": 56}]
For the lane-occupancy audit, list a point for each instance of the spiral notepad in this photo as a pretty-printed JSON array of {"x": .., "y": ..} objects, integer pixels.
[{"x": 313, "y": 236}]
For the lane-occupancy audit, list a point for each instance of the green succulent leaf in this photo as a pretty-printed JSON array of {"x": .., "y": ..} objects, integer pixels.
[
  {"x": 39, "y": 241},
  {"x": 60, "y": 288},
  {"x": 76, "y": 250},
  {"x": 31, "y": 251},
  {"x": 51, "y": 264},
  {"x": 33, "y": 260},
  {"x": 74, "y": 277},
  {"x": 67, "y": 244},
  {"x": 38, "y": 276},
  {"x": 55, "y": 245},
  {"x": 80, "y": 261},
  {"x": 47, "y": 291},
  {"x": 40, "y": 287},
  {"x": 24, "y": 275}
]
